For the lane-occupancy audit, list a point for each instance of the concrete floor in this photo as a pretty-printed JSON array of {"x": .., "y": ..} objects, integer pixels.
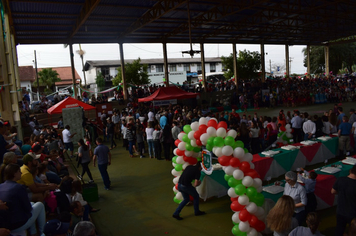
[{"x": 141, "y": 199}]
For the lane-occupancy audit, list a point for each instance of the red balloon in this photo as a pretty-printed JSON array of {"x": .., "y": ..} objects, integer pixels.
[
  {"x": 235, "y": 162},
  {"x": 179, "y": 152},
  {"x": 224, "y": 160},
  {"x": 192, "y": 160},
  {"x": 197, "y": 134},
  {"x": 232, "y": 198},
  {"x": 244, "y": 215},
  {"x": 177, "y": 142},
  {"x": 212, "y": 123},
  {"x": 185, "y": 158},
  {"x": 253, "y": 221},
  {"x": 252, "y": 173},
  {"x": 236, "y": 206},
  {"x": 260, "y": 226},
  {"x": 199, "y": 142},
  {"x": 282, "y": 128},
  {"x": 245, "y": 166},
  {"x": 202, "y": 128},
  {"x": 176, "y": 186},
  {"x": 222, "y": 124}
]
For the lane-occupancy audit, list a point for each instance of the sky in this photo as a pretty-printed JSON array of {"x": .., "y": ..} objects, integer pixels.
[{"x": 55, "y": 55}]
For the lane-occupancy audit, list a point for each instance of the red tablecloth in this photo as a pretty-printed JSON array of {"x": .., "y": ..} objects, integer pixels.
[{"x": 262, "y": 164}]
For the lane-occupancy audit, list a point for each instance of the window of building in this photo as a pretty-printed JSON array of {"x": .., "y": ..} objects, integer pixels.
[
  {"x": 105, "y": 71},
  {"x": 186, "y": 67},
  {"x": 172, "y": 67},
  {"x": 212, "y": 67},
  {"x": 159, "y": 68},
  {"x": 199, "y": 67}
]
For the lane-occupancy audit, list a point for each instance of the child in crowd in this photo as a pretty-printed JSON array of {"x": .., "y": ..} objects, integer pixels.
[
  {"x": 87, "y": 142},
  {"x": 310, "y": 183},
  {"x": 42, "y": 169}
]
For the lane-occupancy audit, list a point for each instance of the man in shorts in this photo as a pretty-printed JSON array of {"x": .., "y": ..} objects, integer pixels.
[{"x": 67, "y": 140}]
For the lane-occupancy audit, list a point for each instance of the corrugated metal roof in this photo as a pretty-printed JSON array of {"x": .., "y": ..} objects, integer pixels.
[{"x": 293, "y": 22}]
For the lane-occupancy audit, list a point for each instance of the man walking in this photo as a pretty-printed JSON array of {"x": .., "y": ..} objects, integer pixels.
[
  {"x": 67, "y": 140},
  {"x": 185, "y": 187},
  {"x": 345, "y": 188},
  {"x": 102, "y": 153},
  {"x": 110, "y": 131}
]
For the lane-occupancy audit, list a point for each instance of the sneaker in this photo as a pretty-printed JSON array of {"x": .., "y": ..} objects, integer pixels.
[
  {"x": 91, "y": 181},
  {"x": 177, "y": 217},
  {"x": 79, "y": 177},
  {"x": 200, "y": 213},
  {"x": 141, "y": 156}
]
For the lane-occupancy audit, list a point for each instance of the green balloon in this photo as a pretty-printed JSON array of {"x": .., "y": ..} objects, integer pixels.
[
  {"x": 227, "y": 177},
  {"x": 232, "y": 182},
  {"x": 189, "y": 147},
  {"x": 259, "y": 199},
  {"x": 186, "y": 138},
  {"x": 196, "y": 149},
  {"x": 246, "y": 151},
  {"x": 237, "y": 232},
  {"x": 240, "y": 144},
  {"x": 174, "y": 159},
  {"x": 230, "y": 141},
  {"x": 187, "y": 129},
  {"x": 240, "y": 189},
  {"x": 199, "y": 158},
  {"x": 285, "y": 138},
  {"x": 209, "y": 147},
  {"x": 218, "y": 142},
  {"x": 279, "y": 134},
  {"x": 251, "y": 192},
  {"x": 178, "y": 167},
  {"x": 176, "y": 200},
  {"x": 210, "y": 141}
]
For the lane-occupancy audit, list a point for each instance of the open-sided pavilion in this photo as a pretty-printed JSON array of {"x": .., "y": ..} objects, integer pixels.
[{"x": 289, "y": 22}]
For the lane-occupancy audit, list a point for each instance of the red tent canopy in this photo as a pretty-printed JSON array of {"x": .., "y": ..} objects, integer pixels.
[
  {"x": 166, "y": 93},
  {"x": 69, "y": 102}
]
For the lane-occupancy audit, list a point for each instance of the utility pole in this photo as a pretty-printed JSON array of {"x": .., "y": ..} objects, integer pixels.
[
  {"x": 38, "y": 84},
  {"x": 290, "y": 64},
  {"x": 270, "y": 67}
]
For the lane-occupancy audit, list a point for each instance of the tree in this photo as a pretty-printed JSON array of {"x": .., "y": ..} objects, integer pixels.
[
  {"x": 248, "y": 64},
  {"x": 47, "y": 77},
  {"x": 100, "y": 81},
  {"x": 135, "y": 74},
  {"x": 340, "y": 56}
]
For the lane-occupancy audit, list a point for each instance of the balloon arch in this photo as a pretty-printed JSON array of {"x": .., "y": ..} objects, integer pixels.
[{"x": 245, "y": 183}]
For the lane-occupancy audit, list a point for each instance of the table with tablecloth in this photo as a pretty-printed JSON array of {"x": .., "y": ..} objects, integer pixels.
[
  {"x": 323, "y": 186},
  {"x": 213, "y": 185},
  {"x": 287, "y": 160}
]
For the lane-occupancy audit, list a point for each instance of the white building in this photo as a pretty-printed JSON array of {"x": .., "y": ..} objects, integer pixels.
[{"x": 180, "y": 69}]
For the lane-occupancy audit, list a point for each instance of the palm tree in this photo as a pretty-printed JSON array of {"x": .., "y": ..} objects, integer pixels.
[{"x": 47, "y": 77}]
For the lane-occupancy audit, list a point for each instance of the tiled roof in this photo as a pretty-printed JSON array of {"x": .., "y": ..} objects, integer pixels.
[
  {"x": 27, "y": 73},
  {"x": 65, "y": 73}
]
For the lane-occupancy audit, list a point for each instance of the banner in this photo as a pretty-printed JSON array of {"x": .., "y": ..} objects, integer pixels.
[{"x": 165, "y": 102}]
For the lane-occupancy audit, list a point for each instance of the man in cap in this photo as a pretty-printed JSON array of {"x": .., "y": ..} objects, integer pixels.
[
  {"x": 56, "y": 228},
  {"x": 37, "y": 191},
  {"x": 298, "y": 193},
  {"x": 110, "y": 131}
]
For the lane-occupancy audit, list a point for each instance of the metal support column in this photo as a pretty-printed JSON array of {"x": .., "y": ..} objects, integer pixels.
[
  {"x": 202, "y": 59},
  {"x": 263, "y": 70},
  {"x": 287, "y": 61},
  {"x": 165, "y": 64},
  {"x": 73, "y": 71},
  {"x": 308, "y": 60},
  {"x": 327, "y": 68},
  {"x": 123, "y": 71},
  {"x": 235, "y": 64}
]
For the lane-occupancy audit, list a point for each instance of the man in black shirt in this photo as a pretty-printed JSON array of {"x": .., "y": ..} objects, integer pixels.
[
  {"x": 192, "y": 172},
  {"x": 110, "y": 131},
  {"x": 345, "y": 188}
]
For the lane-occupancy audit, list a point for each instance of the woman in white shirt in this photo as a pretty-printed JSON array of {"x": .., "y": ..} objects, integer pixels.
[
  {"x": 327, "y": 126},
  {"x": 149, "y": 132}
]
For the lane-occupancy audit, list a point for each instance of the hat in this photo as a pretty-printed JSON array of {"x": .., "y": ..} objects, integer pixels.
[
  {"x": 36, "y": 147},
  {"x": 29, "y": 157},
  {"x": 55, "y": 227}
]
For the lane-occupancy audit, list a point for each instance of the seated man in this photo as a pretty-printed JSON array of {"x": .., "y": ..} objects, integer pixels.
[{"x": 37, "y": 192}]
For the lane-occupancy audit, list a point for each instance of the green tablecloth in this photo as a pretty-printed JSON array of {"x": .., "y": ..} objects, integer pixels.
[
  {"x": 332, "y": 144},
  {"x": 218, "y": 176},
  {"x": 273, "y": 197},
  {"x": 344, "y": 170},
  {"x": 285, "y": 158}
]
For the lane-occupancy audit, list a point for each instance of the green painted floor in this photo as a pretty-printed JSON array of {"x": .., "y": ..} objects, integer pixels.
[{"x": 141, "y": 199}]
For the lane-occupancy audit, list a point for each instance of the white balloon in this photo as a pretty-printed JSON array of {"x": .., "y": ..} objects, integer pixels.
[
  {"x": 259, "y": 189},
  {"x": 174, "y": 164},
  {"x": 179, "y": 196},
  {"x": 229, "y": 170},
  {"x": 231, "y": 193},
  {"x": 188, "y": 153},
  {"x": 194, "y": 125},
  {"x": 251, "y": 207},
  {"x": 289, "y": 135},
  {"x": 232, "y": 133},
  {"x": 175, "y": 180},
  {"x": 287, "y": 126},
  {"x": 191, "y": 134},
  {"x": 227, "y": 150},
  {"x": 252, "y": 232},
  {"x": 174, "y": 189},
  {"x": 203, "y": 138},
  {"x": 175, "y": 151},
  {"x": 235, "y": 217},
  {"x": 211, "y": 131},
  {"x": 196, "y": 154},
  {"x": 260, "y": 211},
  {"x": 218, "y": 152},
  {"x": 180, "y": 160},
  {"x": 244, "y": 226},
  {"x": 257, "y": 182},
  {"x": 176, "y": 173},
  {"x": 221, "y": 132},
  {"x": 214, "y": 148},
  {"x": 238, "y": 174},
  {"x": 238, "y": 152},
  {"x": 289, "y": 130},
  {"x": 185, "y": 165},
  {"x": 243, "y": 200},
  {"x": 180, "y": 136},
  {"x": 252, "y": 166},
  {"x": 203, "y": 121},
  {"x": 181, "y": 146},
  {"x": 247, "y": 181},
  {"x": 193, "y": 143},
  {"x": 248, "y": 157}
]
